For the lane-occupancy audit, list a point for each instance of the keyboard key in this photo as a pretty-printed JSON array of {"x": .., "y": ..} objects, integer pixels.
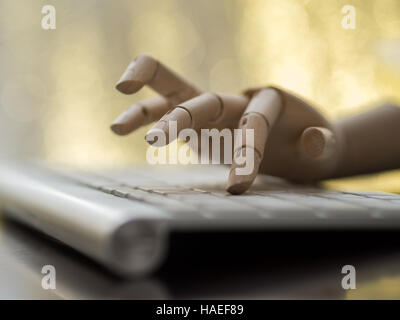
[
  {"x": 175, "y": 208},
  {"x": 318, "y": 202},
  {"x": 109, "y": 188},
  {"x": 91, "y": 180},
  {"x": 133, "y": 179},
  {"x": 375, "y": 194},
  {"x": 379, "y": 208},
  {"x": 165, "y": 190},
  {"x": 271, "y": 207},
  {"x": 216, "y": 207},
  {"x": 383, "y": 196}
]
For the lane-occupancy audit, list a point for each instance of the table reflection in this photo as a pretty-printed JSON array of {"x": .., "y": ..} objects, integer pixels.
[{"x": 281, "y": 265}]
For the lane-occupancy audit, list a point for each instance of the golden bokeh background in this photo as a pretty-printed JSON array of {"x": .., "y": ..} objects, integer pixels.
[{"x": 57, "y": 96}]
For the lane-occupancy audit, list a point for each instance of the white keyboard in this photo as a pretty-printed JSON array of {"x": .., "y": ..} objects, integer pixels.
[
  {"x": 122, "y": 218},
  {"x": 201, "y": 194}
]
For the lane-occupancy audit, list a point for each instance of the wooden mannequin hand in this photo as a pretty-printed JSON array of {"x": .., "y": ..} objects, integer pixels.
[
  {"x": 300, "y": 144},
  {"x": 291, "y": 139}
]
